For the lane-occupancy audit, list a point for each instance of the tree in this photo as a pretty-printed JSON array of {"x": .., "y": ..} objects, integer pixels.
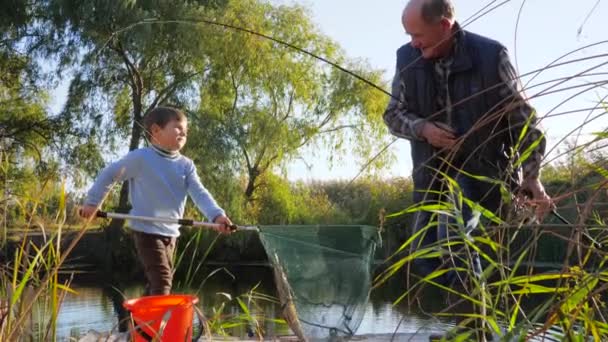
[
  {"x": 120, "y": 67},
  {"x": 133, "y": 56},
  {"x": 26, "y": 130},
  {"x": 24, "y": 127},
  {"x": 124, "y": 67},
  {"x": 253, "y": 102},
  {"x": 269, "y": 102}
]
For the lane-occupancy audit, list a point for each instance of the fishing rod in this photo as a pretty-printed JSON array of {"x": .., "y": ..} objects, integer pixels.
[
  {"x": 171, "y": 220},
  {"x": 197, "y": 21},
  {"x": 201, "y": 20}
]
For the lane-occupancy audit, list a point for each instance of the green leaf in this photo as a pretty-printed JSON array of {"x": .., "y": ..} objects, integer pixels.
[
  {"x": 533, "y": 289},
  {"x": 580, "y": 295},
  {"x": 27, "y": 276},
  {"x": 526, "y": 154},
  {"x": 532, "y": 278}
]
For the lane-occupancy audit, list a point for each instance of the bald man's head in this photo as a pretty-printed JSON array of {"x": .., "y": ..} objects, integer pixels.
[
  {"x": 429, "y": 23},
  {"x": 431, "y": 11}
]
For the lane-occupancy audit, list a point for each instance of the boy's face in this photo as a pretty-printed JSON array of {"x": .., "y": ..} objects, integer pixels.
[{"x": 172, "y": 137}]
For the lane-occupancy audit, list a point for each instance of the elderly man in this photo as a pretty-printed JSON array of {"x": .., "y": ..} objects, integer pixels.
[{"x": 456, "y": 98}]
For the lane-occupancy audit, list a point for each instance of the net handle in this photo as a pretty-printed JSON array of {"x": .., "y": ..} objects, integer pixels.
[{"x": 171, "y": 220}]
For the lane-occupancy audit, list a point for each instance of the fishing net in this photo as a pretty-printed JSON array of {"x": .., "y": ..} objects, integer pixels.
[{"x": 323, "y": 276}]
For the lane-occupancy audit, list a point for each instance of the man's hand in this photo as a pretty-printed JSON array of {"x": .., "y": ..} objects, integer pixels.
[
  {"x": 540, "y": 199},
  {"x": 225, "y": 224},
  {"x": 438, "y": 134},
  {"x": 87, "y": 211}
]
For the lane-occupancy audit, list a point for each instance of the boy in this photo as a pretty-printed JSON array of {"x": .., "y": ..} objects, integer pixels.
[{"x": 160, "y": 179}]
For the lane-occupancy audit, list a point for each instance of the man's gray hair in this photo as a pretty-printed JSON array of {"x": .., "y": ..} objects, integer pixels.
[{"x": 434, "y": 10}]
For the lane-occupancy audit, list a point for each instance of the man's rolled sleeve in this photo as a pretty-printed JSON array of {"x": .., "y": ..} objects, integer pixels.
[
  {"x": 398, "y": 119},
  {"x": 521, "y": 114}
]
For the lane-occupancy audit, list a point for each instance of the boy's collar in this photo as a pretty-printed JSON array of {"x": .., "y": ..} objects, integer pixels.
[{"x": 164, "y": 152}]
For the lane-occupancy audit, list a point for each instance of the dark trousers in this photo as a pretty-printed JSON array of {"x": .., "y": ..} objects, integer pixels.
[
  {"x": 155, "y": 252},
  {"x": 441, "y": 228}
]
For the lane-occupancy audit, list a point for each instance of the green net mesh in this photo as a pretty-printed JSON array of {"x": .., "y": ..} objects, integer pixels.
[{"x": 323, "y": 276}]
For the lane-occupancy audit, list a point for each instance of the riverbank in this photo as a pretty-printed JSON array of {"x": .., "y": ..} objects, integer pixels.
[{"x": 97, "y": 254}]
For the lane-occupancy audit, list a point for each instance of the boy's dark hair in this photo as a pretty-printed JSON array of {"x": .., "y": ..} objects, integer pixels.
[{"x": 161, "y": 116}]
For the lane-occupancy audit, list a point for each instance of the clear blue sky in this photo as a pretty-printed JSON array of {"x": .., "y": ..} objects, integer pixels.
[{"x": 547, "y": 30}]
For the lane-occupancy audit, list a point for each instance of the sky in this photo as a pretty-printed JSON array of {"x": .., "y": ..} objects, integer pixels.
[
  {"x": 547, "y": 30},
  {"x": 371, "y": 30}
]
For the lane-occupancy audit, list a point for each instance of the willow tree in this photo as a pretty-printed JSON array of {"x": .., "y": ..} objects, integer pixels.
[
  {"x": 122, "y": 65},
  {"x": 269, "y": 102},
  {"x": 25, "y": 129},
  {"x": 252, "y": 101},
  {"x": 119, "y": 66}
]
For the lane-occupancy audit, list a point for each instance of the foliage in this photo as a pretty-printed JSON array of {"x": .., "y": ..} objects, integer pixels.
[
  {"x": 29, "y": 279},
  {"x": 269, "y": 102},
  {"x": 253, "y": 106}
]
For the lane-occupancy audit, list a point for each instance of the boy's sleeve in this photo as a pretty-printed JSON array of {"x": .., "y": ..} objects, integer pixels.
[
  {"x": 125, "y": 168},
  {"x": 201, "y": 196}
]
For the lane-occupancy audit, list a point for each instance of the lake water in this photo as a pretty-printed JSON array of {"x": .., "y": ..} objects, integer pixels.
[{"x": 92, "y": 308}]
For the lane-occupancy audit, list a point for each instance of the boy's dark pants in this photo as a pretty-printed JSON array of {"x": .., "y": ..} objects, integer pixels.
[{"x": 155, "y": 252}]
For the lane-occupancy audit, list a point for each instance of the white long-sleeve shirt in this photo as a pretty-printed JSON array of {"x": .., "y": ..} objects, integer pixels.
[{"x": 159, "y": 184}]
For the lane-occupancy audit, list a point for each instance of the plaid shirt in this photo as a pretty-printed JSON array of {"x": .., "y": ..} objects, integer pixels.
[{"x": 405, "y": 124}]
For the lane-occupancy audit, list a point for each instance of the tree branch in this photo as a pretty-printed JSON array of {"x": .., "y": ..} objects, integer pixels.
[
  {"x": 169, "y": 90},
  {"x": 135, "y": 77},
  {"x": 338, "y": 128},
  {"x": 289, "y": 105}
]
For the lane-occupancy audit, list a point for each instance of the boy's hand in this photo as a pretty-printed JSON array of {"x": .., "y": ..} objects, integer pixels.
[
  {"x": 225, "y": 224},
  {"x": 87, "y": 211}
]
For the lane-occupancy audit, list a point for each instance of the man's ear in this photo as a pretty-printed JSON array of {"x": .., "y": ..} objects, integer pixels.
[{"x": 446, "y": 24}]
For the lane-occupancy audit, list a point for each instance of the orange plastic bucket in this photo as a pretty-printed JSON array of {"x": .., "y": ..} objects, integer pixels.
[{"x": 175, "y": 312}]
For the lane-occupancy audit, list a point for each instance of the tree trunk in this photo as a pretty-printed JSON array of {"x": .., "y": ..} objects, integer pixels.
[
  {"x": 253, "y": 176},
  {"x": 114, "y": 232},
  {"x": 136, "y": 131}
]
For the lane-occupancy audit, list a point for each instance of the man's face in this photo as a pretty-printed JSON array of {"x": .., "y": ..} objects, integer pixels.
[
  {"x": 171, "y": 137},
  {"x": 431, "y": 38}
]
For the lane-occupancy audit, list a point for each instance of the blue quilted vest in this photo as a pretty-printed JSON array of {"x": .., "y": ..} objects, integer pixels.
[{"x": 474, "y": 82}]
